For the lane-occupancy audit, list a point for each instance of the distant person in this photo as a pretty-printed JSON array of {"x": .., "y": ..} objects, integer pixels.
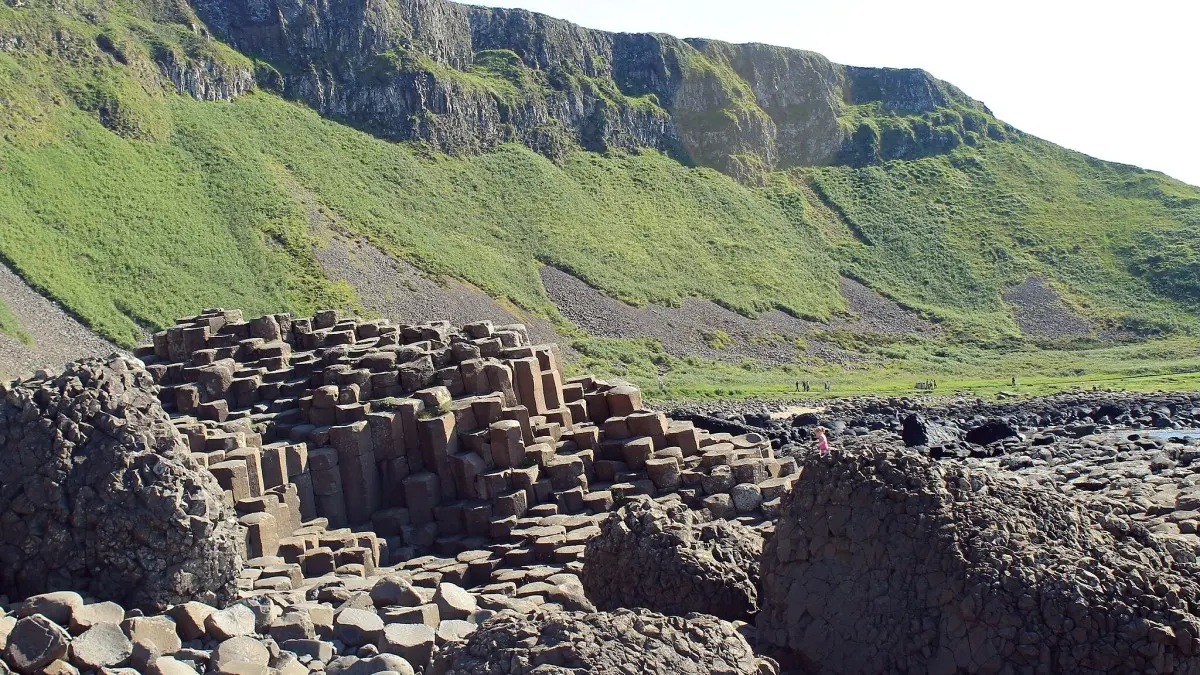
[
  {"x": 1014, "y": 380},
  {"x": 797, "y": 385},
  {"x": 828, "y": 386},
  {"x": 807, "y": 386},
  {"x": 822, "y": 441}
]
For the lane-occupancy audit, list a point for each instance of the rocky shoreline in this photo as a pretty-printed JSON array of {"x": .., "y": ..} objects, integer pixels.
[{"x": 332, "y": 495}]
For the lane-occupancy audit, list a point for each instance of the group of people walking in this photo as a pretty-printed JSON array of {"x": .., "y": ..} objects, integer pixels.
[{"x": 806, "y": 386}]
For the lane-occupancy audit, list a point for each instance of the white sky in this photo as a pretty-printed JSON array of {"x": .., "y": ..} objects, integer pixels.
[{"x": 1116, "y": 80}]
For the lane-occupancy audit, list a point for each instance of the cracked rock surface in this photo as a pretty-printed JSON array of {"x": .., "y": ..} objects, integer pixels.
[
  {"x": 98, "y": 495},
  {"x": 602, "y": 643},
  {"x": 888, "y": 561},
  {"x": 663, "y": 558}
]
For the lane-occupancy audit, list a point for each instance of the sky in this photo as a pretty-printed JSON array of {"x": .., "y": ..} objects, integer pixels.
[{"x": 1116, "y": 80}]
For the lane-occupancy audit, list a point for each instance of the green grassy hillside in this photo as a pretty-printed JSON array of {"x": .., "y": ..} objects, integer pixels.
[{"x": 132, "y": 205}]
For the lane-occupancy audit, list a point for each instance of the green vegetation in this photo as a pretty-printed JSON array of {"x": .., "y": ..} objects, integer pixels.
[
  {"x": 718, "y": 339},
  {"x": 894, "y": 369},
  {"x": 948, "y": 234},
  {"x": 132, "y": 205},
  {"x": 10, "y": 326}
]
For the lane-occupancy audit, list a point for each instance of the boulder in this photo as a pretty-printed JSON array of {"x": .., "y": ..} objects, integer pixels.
[
  {"x": 152, "y": 637},
  {"x": 356, "y": 627},
  {"x": 453, "y": 602},
  {"x": 58, "y": 606},
  {"x": 233, "y": 621},
  {"x": 102, "y": 646},
  {"x": 375, "y": 665},
  {"x": 918, "y": 431},
  {"x": 110, "y": 502},
  {"x": 87, "y": 616},
  {"x": 662, "y": 558},
  {"x": 240, "y": 650},
  {"x": 991, "y": 431},
  {"x": 888, "y": 561},
  {"x": 34, "y": 643},
  {"x": 603, "y": 643},
  {"x": 393, "y": 591}
]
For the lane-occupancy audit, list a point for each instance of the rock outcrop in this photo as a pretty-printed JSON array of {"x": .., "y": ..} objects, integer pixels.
[
  {"x": 888, "y": 561},
  {"x": 605, "y": 643},
  {"x": 663, "y": 559},
  {"x": 466, "y": 79},
  {"x": 98, "y": 495}
]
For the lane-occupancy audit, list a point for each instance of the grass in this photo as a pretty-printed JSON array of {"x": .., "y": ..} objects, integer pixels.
[
  {"x": 11, "y": 327},
  {"x": 948, "y": 234},
  {"x": 131, "y": 206},
  {"x": 1172, "y": 363}
]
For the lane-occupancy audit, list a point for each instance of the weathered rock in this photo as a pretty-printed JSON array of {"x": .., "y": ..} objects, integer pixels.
[
  {"x": 357, "y": 626},
  {"x": 34, "y": 643},
  {"x": 231, "y": 622},
  {"x": 166, "y": 665},
  {"x": 103, "y": 645},
  {"x": 190, "y": 619},
  {"x": 58, "y": 606},
  {"x": 413, "y": 641},
  {"x": 982, "y": 573},
  {"x": 383, "y": 663},
  {"x": 87, "y": 616},
  {"x": 661, "y": 558},
  {"x": 394, "y": 591},
  {"x": 604, "y": 643},
  {"x": 152, "y": 637},
  {"x": 453, "y": 602},
  {"x": 919, "y": 431},
  {"x": 110, "y": 503},
  {"x": 991, "y": 431},
  {"x": 240, "y": 650}
]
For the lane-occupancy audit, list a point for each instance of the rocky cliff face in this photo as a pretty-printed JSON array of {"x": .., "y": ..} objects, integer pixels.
[{"x": 466, "y": 79}]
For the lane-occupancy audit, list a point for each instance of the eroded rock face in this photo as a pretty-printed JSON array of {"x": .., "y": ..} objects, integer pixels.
[
  {"x": 663, "y": 559},
  {"x": 624, "y": 641},
  {"x": 703, "y": 101},
  {"x": 97, "y": 493},
  {"x": 891, "y": 562}
]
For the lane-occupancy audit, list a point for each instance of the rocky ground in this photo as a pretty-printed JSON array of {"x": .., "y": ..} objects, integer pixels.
[
  {"x": 55, "y": 336},
  {"x": 703, "y": 328},
  {"x": 1041, "y": 312},
  {"x": 946, "y": 535},
  {"x": 397, "y": 290}
]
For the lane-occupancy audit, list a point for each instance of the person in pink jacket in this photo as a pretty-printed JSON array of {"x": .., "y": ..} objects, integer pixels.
[{"x": 822, "y": 441}]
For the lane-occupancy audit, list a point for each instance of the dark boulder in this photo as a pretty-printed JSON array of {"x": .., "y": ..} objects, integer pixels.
[
  {"x": 919, "y": 431},
  {"x": 98, "y": 494},
  {"x": 886, "y": 561},
  {"x": 663, "y": 559},
  {"x": 991, "y": 431}
]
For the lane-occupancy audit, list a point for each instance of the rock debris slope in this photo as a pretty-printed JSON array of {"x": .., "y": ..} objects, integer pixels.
[
  {"x": 891, "y": 562},
  {"x": 98, "y": 493}
]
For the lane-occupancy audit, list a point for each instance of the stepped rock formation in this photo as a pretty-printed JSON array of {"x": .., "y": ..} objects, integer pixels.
[
  {"x": 888, "y": 561},
  {"x": 624, "y": 641},
  {"x": 663, "y": 559},
  {"x": 98, "y": 493},
  {"x": 466, "y": 79}
]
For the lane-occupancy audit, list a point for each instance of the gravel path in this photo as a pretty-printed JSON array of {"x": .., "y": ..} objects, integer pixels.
[
  {"x": 692, "y": 329},
  {"x": 1041, "y": 312},
  {"x": 57, "y": 337},
  {"x": 399, "y": 292}
]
